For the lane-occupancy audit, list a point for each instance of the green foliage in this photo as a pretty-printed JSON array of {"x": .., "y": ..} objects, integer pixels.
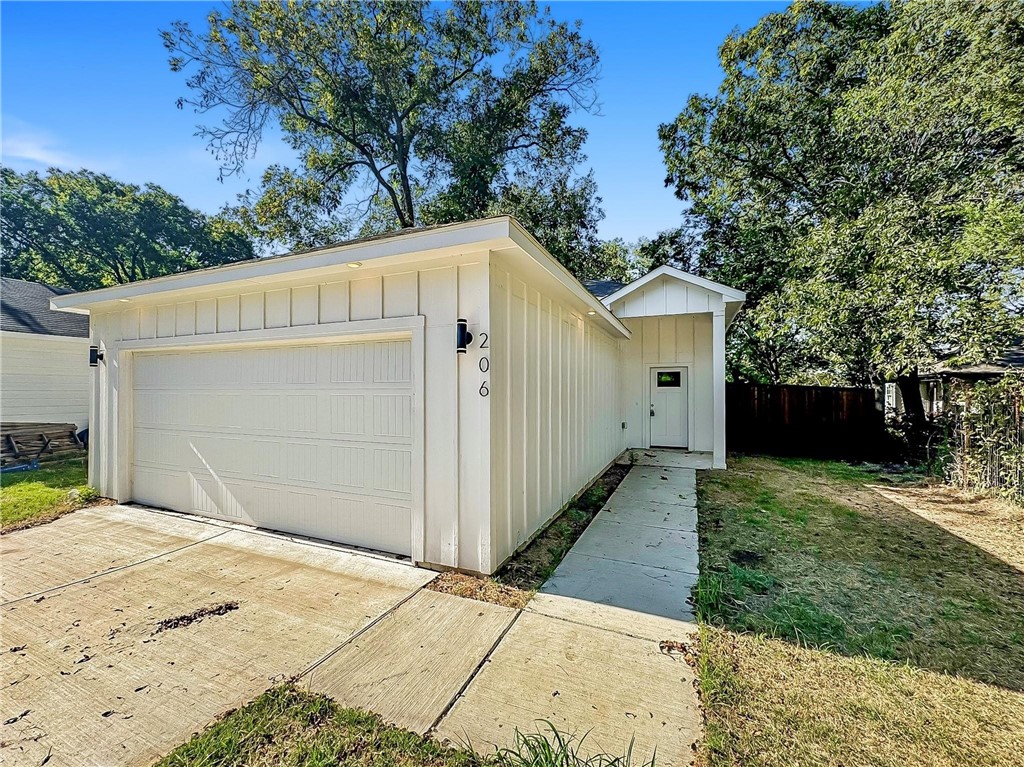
[
  {"x": 85, "y": 230},
  {"x": 555, "y": 749},
  {"x": 986, "y": 448},
  {"x": 859, "y": 173},
  {"x": 400, "y": 113},
  {"x": 288, "y": 726}
]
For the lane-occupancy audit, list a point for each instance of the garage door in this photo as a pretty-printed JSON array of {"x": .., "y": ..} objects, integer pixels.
[{"x": 314, "y": 439}]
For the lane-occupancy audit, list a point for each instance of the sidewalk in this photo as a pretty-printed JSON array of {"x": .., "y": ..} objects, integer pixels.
[{"x": 586, "y": 653}]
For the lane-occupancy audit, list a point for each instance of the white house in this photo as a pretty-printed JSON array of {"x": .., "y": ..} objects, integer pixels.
[
  {"x": 44, "y": 357},
  {"x": 323, "y": 393}
]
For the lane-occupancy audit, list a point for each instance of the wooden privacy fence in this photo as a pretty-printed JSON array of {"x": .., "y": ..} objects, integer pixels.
[{"x": 805, "y": 421}]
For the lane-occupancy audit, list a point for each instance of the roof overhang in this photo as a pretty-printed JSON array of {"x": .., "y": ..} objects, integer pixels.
[{"x": 401, "y": 247}]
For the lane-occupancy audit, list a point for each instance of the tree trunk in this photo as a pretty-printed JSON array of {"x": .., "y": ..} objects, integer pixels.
[{"x": 913, "y": 405}]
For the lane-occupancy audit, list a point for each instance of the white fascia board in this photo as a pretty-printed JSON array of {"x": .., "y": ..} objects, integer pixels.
[
  {"x": 529, "y": 245},
  {"x": 729, "y": 295},
  {"x": 475, "y": 234}
]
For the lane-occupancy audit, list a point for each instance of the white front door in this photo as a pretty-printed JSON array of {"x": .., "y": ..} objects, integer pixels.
[{"x": 668, "y": 407}]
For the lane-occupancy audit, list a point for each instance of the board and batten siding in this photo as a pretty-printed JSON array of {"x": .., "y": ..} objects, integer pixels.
[
  {"x": 553, "y": 388},
  {"x": 664, "y": 296},
  {"x": 44, "y": 379},
  {"x": 680, "y": 341},
  {"x": 456, "y": 442}
]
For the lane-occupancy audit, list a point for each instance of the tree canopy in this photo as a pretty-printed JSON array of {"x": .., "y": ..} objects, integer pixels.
[
  {"x": 85, "y": 230},
  {"x": 400, "y": 113},
  {"x": 860, "y": 173}
]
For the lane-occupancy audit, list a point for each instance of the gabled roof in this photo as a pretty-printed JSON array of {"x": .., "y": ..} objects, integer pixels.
[
  {"x": 729, "y": 295},
  {"x": 25, "y": 308}
]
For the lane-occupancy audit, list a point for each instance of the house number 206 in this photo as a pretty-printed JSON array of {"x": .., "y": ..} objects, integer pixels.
[{"x": 484, "y": 364}]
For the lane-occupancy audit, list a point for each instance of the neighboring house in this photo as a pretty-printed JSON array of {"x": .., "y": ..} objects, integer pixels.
[
  {"x": 935, "y": 383},
  {"x": 44, "y": 357},
  {"x": 324, "y": 393}
]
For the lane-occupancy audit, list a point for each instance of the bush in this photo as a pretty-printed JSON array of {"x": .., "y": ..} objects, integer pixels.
[{"x": 986, "y": 446}]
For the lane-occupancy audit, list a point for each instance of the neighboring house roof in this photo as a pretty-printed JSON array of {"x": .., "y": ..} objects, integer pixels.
[
  {"x": 25, "y": 308},
  {"x": 603, "y": 288},
  {"x": 1012, "y": 358}
]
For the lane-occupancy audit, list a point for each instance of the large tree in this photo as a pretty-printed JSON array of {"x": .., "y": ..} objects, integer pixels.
[
  {"x": 859, "y": 174},
  {"x": 85, "y": 230},
  {"x": 400, "y": 113}
]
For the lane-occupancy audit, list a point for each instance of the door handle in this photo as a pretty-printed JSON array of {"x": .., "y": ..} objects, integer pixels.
[{"x": 652, "y": 411}]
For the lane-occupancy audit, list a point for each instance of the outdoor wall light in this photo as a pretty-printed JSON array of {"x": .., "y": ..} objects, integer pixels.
[
  {"x": 591, "y": 313},
  {"x": 463, "y": 338},
  {"x": 95, "y": 355},
  {"x": 354, "y": 264}
]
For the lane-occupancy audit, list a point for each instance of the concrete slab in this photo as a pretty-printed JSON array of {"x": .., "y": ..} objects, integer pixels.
[
  {"x": 102, "y": 685},
  {"x": 611, "y": 687},
  {"x": 634, "y": 587},
  {"x": 409, "y": 666},
  {"x": 665, "y": 492},
  {"x": 656, "y": 628},
  {"x": 641, "y": 544},
  {"x": 665, "y": 515},
  {"x": 89, "y": 542},
  {"x": 667, "y": 457}
]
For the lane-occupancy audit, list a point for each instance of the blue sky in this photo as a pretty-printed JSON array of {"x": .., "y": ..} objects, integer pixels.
[{"x": 87, "y": 85}]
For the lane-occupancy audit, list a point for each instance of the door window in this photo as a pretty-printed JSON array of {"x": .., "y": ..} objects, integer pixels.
[{"x": 669, "y": 379}]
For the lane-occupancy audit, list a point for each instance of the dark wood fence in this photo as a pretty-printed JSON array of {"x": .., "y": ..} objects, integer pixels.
[{"x": 805, "y": 421}]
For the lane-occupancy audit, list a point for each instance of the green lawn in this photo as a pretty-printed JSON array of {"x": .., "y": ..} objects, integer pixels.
[
  {"x": 840, "y": 628},
  {"x": 32, "y": 497},
  {"x": 290, "y": 727}
]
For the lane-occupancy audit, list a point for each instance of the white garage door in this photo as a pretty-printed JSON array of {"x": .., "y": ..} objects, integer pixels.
[{"x": 314, "y": 439}]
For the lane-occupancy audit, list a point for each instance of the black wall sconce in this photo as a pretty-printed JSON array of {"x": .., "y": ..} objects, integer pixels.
[
  {"x": 95, "y": 355},
  {"x": 463, "y": 338}
]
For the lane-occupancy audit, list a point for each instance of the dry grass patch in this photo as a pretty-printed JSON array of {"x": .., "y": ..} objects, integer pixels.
[
  {"x": 481, "y": 589},
  {"x": 774, "y": 704},
  {"x": 866, "y": 595},
  {"x": 519, "y": 579}
]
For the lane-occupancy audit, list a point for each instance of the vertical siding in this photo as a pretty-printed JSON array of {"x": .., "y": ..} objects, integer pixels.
[
  {"x": 44, "y": 379},
  {"x": 456, "y": 437},
  {"x": 666, "y": 295},
  {"x": 673, "y": 340},
  {"x": 554, "y": 425}
]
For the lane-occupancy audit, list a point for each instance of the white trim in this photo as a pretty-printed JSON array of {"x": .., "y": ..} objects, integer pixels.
[
  {"x": 412, "y": 328},
  {"x": 536, "y": 251},
  {"x": 406, "y": 242},
  {"x": 729, "y": 295},
  {"x": 650, "y": 368}
]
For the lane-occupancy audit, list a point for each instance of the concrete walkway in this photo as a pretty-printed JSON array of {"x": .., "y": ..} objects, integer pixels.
[{"x": 587, "y": 655}]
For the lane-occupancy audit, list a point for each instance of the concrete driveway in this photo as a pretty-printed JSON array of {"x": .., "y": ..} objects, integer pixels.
[{"x": 126, "y": 630}]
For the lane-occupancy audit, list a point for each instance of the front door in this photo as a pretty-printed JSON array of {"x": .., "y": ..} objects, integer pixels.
[{"x": 668, "y": 407}]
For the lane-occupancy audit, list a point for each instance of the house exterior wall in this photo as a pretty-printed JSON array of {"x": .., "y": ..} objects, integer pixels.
[
  {"x": 455, "y": 430},
  {"x": 553, "y": 388},
  {"x": 682, "y": 341},
  {"x": 44, "y": 379}
]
